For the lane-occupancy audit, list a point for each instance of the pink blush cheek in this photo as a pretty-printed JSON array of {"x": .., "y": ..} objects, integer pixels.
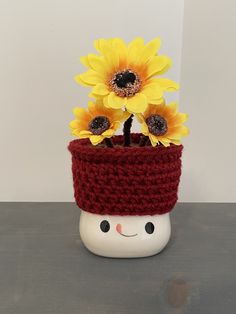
[{"x": 118, "y": 228}]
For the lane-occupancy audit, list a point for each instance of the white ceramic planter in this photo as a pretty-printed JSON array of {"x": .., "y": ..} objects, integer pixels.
[
  {"x": 124, "y": 236},
  {"x": 125, "y": 195}
]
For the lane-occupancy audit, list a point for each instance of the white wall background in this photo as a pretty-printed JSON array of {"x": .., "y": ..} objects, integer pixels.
[
  {"x": 208, "y": 95},
  {"x": 41, "y": 42}
]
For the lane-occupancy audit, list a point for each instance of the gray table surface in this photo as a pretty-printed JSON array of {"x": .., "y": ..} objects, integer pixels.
[{"x": 44, "y": 267}]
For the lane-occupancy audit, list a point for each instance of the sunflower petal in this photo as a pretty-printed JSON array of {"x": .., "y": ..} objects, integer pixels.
[
  {"x": 105, "y": 101},
  {"x": 150, "y": 50},
  {"x": 173, "y": 136},
  {"x": 92, "y": 108},
  {"x": 164, "y": 70},
  {"x": 176, "y": 142},
  {"x": 84, "y": 134},
  {"x": 116, "y": 114},
  {"x": 180, "y": 118},
  {"x": 144, "y": 129},
  {"x": 154, "y": 141},
  {"x": 99, "y": 44},
  {"x": 167, "y": 85},
  {"x": 156, "y": 101},
  {"x": 90, "y": 77},
  {"x": 126, "y": 115},
  {"x": 135, "y": 48},
  {"x": 154, "y": 109},
  {"x": 152, "y": 91},
  {"x": 165, "y": 142},
  {"x": 74, "y": 124},
  {"x": 137, "y": 104},
  {"x": 109, "y": 53},
  {"x": 177, "y": 132},
  {"x": 115, "y": 125},
  {"x": 108, "y": 133},
  {"x": 100, "y": 89},
  {"x": 157, "y": 65},
  {"x": 119, "y": 45},
  {"x": 96, "y": 139},
  {"x": 75, "y": 132},
  {"x": 78, "y": 80},
  {"x": 184, "y": 130},
  {"x": 172, "y": 108},
  {"x": 114, "y": 101},
  {"x": 140, "y": 118},
  {"x": 98, "y": 64},
  {"x": 80, "y": 113},
  {"x": 84, "y": 61}
]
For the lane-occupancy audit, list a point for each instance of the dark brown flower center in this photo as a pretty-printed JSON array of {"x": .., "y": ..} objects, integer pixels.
[
  {"x": 124, "y": 79},
  {"x": 157, "y": 125},
  {"x": 98, "y": 125},
  {"x": 125, "y": 83}
]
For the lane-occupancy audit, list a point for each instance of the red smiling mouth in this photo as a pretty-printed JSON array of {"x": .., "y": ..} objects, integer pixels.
[{"x": 118, "y": 229}]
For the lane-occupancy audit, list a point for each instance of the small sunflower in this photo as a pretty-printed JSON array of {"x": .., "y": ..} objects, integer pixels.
[
  {"x": 163, "y": 124},
  {"x": 124, "y": 75},
  {"x": 98, "y": 122}
]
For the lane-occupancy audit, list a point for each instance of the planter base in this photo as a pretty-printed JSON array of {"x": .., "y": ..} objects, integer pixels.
[{"x": 124, "y": 236}]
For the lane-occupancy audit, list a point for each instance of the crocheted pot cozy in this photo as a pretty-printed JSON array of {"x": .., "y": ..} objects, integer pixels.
[{"x": 125, "y": 180}]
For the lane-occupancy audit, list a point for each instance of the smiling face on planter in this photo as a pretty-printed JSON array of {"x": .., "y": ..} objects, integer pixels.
[{"x": 124, "y": 236}]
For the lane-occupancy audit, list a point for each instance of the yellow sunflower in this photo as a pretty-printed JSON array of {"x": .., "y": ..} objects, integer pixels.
[
  {"x": 124, "y": 75},
  {"x": 163, "y": 124},
  {"x": 98, "y": 122}
]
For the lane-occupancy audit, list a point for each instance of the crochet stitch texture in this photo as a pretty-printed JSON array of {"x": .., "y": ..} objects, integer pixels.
[{"x": 125, "y": 180}]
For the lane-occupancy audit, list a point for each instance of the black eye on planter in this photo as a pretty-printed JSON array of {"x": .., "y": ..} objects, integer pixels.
[
  {"x": 105, "y": 226},
  {"x": 149, "y": 227}
]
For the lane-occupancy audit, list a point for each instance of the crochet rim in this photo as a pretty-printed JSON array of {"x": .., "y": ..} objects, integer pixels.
[{"x": 82, "y": 149}]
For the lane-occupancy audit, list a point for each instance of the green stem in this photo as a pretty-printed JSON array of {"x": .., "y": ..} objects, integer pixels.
[{"x": 126, "y": 131}]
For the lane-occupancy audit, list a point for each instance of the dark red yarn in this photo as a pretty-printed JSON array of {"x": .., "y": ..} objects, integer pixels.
[{"x": 125, "y": 180}]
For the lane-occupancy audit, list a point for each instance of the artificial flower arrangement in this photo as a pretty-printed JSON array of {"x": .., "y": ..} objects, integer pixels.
[{"x": 126, "y": 185}]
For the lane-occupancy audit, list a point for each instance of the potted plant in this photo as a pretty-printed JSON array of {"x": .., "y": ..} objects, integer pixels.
[{"x": 126, "y": 185}]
